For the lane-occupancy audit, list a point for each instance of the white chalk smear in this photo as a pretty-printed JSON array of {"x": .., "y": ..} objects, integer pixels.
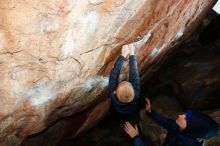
[
  {"x": 180, "y": 32},
  {"x": 87, "y": 26},
  {"x": 67, "y": 47},
  {"x": 155, "y": 51},
  {"x": 141, "y": 42},
  {"x": 43, "y": 24},
  {"x": 48, "y": 24},
  {"x": 96, "y": 2},
  {"x": 94, "y": 82},
  {"x": 41, "y": 93}
]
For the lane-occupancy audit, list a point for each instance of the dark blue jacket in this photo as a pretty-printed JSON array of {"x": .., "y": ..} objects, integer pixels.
[
  {"x": 125, "y": 108},
  {"x": 138, "y": 141},
  {"x": 174, "y": 136}
]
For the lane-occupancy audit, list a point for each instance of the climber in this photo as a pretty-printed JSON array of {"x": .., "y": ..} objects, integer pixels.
[
  {"x": 133, "y": 132},
  {"x": 125, "y": 94},
  {"x": 189, "y": 128}
]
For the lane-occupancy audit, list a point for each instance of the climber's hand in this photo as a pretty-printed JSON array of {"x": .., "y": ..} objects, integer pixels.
[
  {"x": 148, "y": 108},
  {"x": 130, "y": 130},
  {"x": 131, "y": 48},
  {"x": 125, "y": 51}
]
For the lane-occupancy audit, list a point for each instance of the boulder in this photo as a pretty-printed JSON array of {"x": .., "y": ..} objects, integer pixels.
[
  {"x": 194, "y": 77},
  {"x": 55, "y": 56}
]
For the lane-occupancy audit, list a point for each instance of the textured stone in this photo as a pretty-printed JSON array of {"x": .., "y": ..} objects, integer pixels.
[
  {"x": 66, "y": 129},
  {"x": 55, "y": 56},
  {"x": 194, "y": 78}
]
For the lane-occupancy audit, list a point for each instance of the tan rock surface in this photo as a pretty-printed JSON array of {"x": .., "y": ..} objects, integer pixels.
[{"x": 55, "y": 56}]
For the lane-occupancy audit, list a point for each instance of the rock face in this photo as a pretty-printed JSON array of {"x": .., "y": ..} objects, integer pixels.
[
  {"x": 190, "y": 80},
  {"x": 193, "y": 74},
  {"x": 55, "y": 56}
]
